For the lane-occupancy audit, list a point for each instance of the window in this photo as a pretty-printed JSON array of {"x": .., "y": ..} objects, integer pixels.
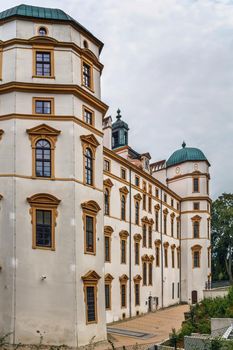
[
  {"x": 43, "y": 139},
  {"x": 178, "y": 206},
  {"x": 106, "y": 165},
  {"x": 172, "y": 202},
  {"x": 165, "y": 257},
  {"x": 137, "y": 213},
  {"x": 196, "y": 228},
  {"x": 106, "y": 201},
  {"x": 137, "y": 294},
  {"x": 137, "y": 249},
  {"x": 43, "y": 64},
  {"x": 195, "y": 184},
  {"x": 43, "y": 158},
  {"x": 107, "y": 297},
  {"x": 150, "y": 237},
  {"x": 123, "y": 242},
  {"x": 88, "y": 167},
  {"x": 144, "y": 201},
  {"x": 89, "y": 230},
  {"x": 178, "y": 258},
  {"x": 196, "y": 259},
  {"x": 137, "y": 181},
  {"x": 165, "y": 224},
  {"x": 173, "y": 290},
  {"x": 90, "y": 281},
  {"x": 107, "y": 248},
  {"x": 123, "y": 295},
  {"x": 123, "y": 251},
  {"x": 172, "y": 226},
  {"x": 90, "y": 210},
  {"x": 165, "y": 198},
  {"x": 149, "y": 204},
  {"x": 123, "y": 173},
  {"x": 88, "y": 116},
  {"x": 87, "y": 72},
  {"x": 43, "y": 228},
  {"x": 196, "y": 205},
  {"x": 156, "y": 220},
  {"x": 196, "y": 252},
  {"x": 178, "y": 227},
  {"x": 144, "y": 274},
  {"x": 178, "y": 290},
  {"x": 43, "y": 211},
  {"x": 156, "y": 193},
  {"x": 123, "y": 207},
  {"x": 207, "y": 186},
  {"x": 108, "y": 287},
  {"x": 43, "y": 106},
  {"x": 42, "y": 31},
  {"x": 144, "y": 235},
  {"x": 157, "y": 256},
  {"x": 173, "y": 258},
  {"x": 150, "y": 274}
]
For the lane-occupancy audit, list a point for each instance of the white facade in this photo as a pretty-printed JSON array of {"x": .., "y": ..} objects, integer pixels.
[{"x": 45, "y": 290}]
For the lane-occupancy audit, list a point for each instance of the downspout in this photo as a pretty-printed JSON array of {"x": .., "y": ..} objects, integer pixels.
[
  {"x": 130, "y": 241},
  {"x": 180, "y": 248},
  {"x": 161, "y": 238}
]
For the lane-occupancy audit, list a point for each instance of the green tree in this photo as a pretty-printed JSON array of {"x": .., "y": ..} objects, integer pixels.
[{"x": 222, "y": 236}]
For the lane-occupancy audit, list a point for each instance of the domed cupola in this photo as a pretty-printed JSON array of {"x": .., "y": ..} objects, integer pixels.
[
  {"x": 186, "y": 154},
  {"x": 119, "y": 132}
]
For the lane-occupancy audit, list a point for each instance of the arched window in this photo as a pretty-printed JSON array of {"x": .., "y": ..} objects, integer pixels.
[
  {"x": 123, "y": 200},
  {"x": 43, "y": 158},
  {"x": 88, "y": 167},
  {"x": 144, "y": 274},
  {"x": 144, "y": 235},
  {"x": 137, "y": 213},
  {"x": 106, "y": 201},
  {"x": 42, "y": 31}
]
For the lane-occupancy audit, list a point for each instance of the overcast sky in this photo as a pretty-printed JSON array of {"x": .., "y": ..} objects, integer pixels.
[{"x": 169, "y": 68}]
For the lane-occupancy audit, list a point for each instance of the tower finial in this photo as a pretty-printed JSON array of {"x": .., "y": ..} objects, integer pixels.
[
  {"x": 118, "y": 114},
  {"x": 183, "y": 144}
]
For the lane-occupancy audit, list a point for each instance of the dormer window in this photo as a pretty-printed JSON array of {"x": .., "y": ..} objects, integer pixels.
[{"x": 42, "y": 31}]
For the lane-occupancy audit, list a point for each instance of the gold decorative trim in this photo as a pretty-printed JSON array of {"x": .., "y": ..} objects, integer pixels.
[
  {"x": 123, "y": 278},
  {"x": 124, "y": 234},
  {"x": 108, "y": 230},
  {"x": 91, "y": 206},
  {"x": 108, "y": 183},
  {"x": 124, "y": 190},
  {"x": 137, "y": 237},
  {"x": 138, "y": 197},
  {"x": 108, "y": 278},
  {"x": 91, "y": 276},
  {"x": 137, "y": 278}
]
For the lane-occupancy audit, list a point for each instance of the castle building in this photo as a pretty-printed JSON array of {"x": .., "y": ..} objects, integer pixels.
[{"x": 91, "y": 231}]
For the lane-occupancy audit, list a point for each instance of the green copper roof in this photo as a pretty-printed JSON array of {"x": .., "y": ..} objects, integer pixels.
[
  {"x": 28, "y": 11},
  {"x": 186, "y": 154}
]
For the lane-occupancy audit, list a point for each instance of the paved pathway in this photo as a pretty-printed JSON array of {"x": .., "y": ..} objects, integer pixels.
[{"x": 159, "y": 324}]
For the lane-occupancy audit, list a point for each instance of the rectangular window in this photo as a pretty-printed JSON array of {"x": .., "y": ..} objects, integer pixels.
[
  {"x": 137, "y": 294},
  {"x": 150, "y": 237},
  {"x": 157, "y": 257},
  {"x": 178, "y": 206},
  {"x": 178, "y": 259},
  {"x": 87, "y": 75},
  {"x": 156, "y": 221},
  {"x": 107, "y": 248},
  {"x": 149, "y": 204},
  {"x": 88, "y": 116},
  {"x": 106, "y": 165},
  {"x": 165, "y": 198},
  {"x": 123, "y": 173},
  {"x": 178, "y": 290},
  {"x": 172, "y": 227},
  {"x": 156, "y": 193},
  {"x": 91, "y": 304},
  {"x": 137, "y": 181},
  {"x": 43, "y": 106},
  {"x": 144, "y": 201},
  {"x": 150, "y": 189},
  {"x": 178, "y": 228},
  {"x": 107, "y": 297},
  {"x": 165, "y": 257},
  {"x": 123, "y": 295},
  {"x": 173, "y": 258},
  {"x": 165, "y": 224},
  {"x": 196, "y": 226},
  {"x": 43, "y": 64},
  {"x": 136, "y": 253},
  {"x": 44, "y": 228},
  {"x": 196, "y": 259},
  {"x": 123, "y": 251},
  {"x": 172, "y": 202},
  {"x": 195, "y": 184},
  {"x": 89, "y": 234},
  {"x": 207, "y": 186},
  {"x": 196, "y": 205},
  {"x": 173, "y": 290}
]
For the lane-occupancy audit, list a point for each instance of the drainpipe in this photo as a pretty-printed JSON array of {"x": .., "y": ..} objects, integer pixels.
[
  {"x": 180, "y": 248},
  {"x": 130, "y": 241},
  {"x": 161, "y": 238}
]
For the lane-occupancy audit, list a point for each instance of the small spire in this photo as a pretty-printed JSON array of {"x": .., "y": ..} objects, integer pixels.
[
  {"x": 183, "y": 144},
  {"x": 118, "y": 114}
]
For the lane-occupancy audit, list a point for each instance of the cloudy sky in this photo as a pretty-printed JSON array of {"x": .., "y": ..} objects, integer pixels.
[{"x": 169, "y": 68}]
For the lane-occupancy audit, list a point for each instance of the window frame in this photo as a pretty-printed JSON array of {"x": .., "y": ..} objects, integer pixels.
[
  {"x": 49, "y": 50},
  {"x": 43, "y": 99},
  {"x": 108, "y": 282},
  {"x": 92, "y": 112},
  {"x": 109, "y": 163},
  {"x": 90, "y": 65},
  {"x": 91, "y": 280},
  {"x": 196, "y": 184},
  {"x": 91, "y": 209}
]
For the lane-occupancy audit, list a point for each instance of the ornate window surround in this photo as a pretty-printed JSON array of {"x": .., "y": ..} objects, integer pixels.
[
  {"x": 90, "y": 208},
  {"x": 90, "y": 279}
]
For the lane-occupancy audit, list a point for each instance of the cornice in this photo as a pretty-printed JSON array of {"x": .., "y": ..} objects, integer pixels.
[
  {"x": 197, "y": 198},
  {"x": 193, "y": 174},
  {"x": 55, "y": 89}
]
